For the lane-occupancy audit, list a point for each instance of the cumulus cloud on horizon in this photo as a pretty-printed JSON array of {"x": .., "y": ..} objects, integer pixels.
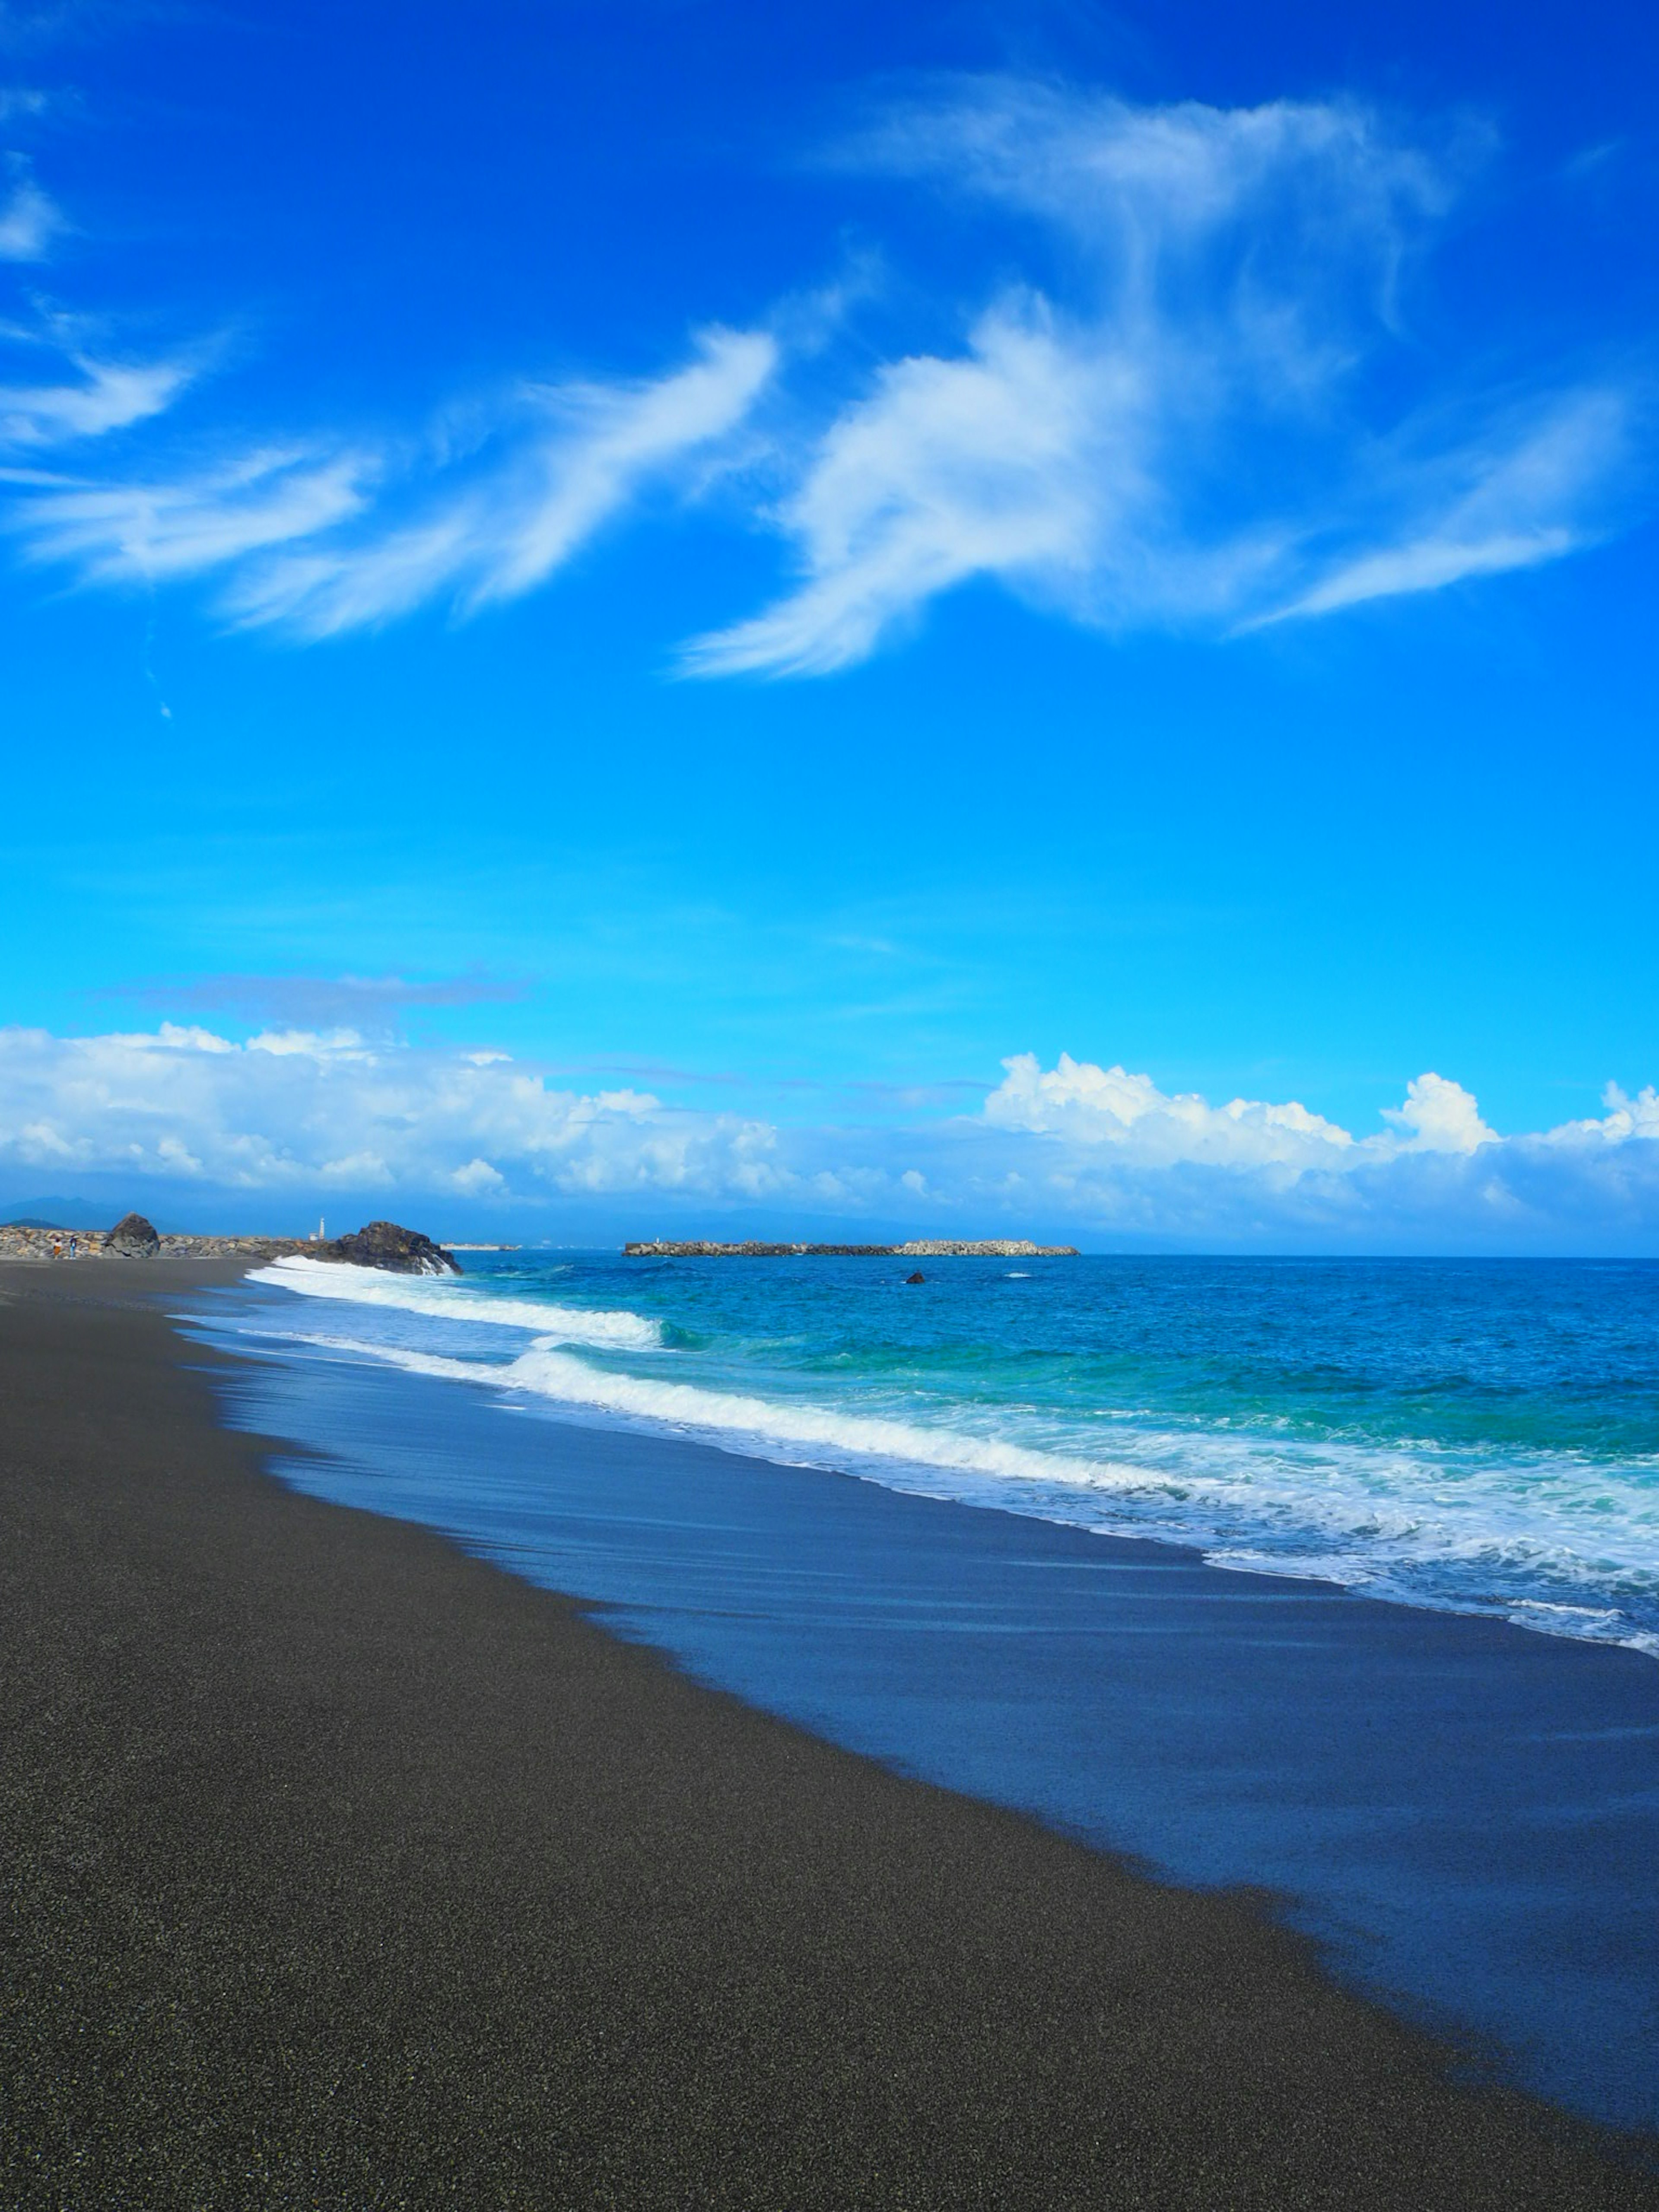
[
  {"x": 303, "y": 1109},
  {"x": 1096, "y": 1150},
  {"x": 1088, "y": 1105}
]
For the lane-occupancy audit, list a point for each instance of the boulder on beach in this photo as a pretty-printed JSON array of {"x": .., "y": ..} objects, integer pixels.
[
  {"x": 133, "y": 1238},
  {"x": 384, "y": 1244}
]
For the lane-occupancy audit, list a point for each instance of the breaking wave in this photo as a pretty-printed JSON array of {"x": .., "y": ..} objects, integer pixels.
[
  {"x": 440, "y": 1298},
  {"x": 1531, "y": 1541}
]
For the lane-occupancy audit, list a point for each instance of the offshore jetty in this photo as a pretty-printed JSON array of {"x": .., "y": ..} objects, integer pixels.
[{"x": 923, "y": 1248}]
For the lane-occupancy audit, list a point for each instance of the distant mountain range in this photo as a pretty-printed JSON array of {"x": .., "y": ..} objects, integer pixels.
[{"x": 77, "y": 1213}]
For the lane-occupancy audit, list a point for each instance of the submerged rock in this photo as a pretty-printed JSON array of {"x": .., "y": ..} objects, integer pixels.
[
  {"x": 133, "y": 1238},
  {"x": 917, "y": 1278},
  {"x": 383, "y": 1244}
]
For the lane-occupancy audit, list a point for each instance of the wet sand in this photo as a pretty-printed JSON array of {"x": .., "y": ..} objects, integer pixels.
[{"x": 339, "y": 1869}]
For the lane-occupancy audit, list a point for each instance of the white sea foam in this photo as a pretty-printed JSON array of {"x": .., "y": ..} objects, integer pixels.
[
  {"x": 1544, "y": 1539},
  {"x": 1456, "y": 1546},
  {"x": 440, "y": 1298}
]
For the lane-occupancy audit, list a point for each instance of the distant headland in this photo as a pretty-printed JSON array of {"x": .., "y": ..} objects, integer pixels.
[{"x": 921, "y": 1247}]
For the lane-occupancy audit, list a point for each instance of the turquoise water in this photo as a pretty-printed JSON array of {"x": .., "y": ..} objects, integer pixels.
[
  {"x": 1463, "y": 1815},
  {"x": 1477, "y": 1436}
]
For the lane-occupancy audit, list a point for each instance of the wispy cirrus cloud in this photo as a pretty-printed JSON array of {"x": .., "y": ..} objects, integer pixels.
[
  {"x": 302, "y": 545},
  {"x": 149, "y": 531},
  {"x": 577, "y": 454},
  {"x": 951, "y": 469},
  {"x": 1521, "y": 493},
  {"x": 98, "y": 397},
  {"x": 1122, "y": 457},
  {"x": 29, "y": 218},
  {"x": 1184, "y": 414}
]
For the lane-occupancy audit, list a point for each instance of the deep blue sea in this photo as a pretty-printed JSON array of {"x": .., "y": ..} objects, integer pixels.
[{"x": 1455, "y": 1789}]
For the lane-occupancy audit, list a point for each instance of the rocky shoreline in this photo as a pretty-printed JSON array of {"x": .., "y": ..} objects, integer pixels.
[
  {"x": 380, "y": 1244},
  {"x": 89, "y": 1244},
  {"x": 921, "y": 1247}
]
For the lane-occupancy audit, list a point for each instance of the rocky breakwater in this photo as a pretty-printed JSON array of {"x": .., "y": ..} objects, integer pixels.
[
  {"x": 928, "y": 1248},
  {"x": 135, "y": 1238},
  {"x": 381, "y": 1244}
]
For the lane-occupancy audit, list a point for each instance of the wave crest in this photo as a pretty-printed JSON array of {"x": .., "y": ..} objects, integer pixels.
[{"x": 439, "y": 1298}]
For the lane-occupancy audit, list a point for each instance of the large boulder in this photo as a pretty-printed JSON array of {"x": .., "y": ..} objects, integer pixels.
[
  {"x": 383, "y": 1244},
  {"x": 132, "y": 1238}
]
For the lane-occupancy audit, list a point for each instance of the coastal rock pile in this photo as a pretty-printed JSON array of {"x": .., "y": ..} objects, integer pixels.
[
  {"x": 995, "y": 1247},
  {"x": 27, "y": 1240},
  {"x": 383, "y": 1244},
  {"x": 930, "y": 1248},
  {"x": 133, "y": 1238},
  {"x": 232, "y": 1248}
]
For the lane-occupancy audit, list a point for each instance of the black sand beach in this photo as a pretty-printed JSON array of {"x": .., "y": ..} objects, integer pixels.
[{"x": 342, "y": 1869}]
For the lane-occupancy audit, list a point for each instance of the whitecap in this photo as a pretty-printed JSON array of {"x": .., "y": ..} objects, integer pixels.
[{"x": 440, "y": 1298}]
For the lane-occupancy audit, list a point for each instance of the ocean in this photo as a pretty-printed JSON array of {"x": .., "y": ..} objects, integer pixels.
[{"x": 1338, "y": 1579}]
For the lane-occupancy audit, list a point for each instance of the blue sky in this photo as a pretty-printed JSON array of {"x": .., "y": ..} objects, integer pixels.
[{"x": 950, "y": 618}]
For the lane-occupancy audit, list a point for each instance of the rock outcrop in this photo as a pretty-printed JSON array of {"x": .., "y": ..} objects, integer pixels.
[
  {"x": 384, "y": 1244},
  {"x": 133, "y": 1238}
]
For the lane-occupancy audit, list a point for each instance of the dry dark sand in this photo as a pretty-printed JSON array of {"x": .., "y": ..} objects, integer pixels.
[{"x": 340, "y": 1869}]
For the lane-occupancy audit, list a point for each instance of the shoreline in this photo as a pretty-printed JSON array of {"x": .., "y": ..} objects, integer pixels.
[{"x": 347, "y": 1866}]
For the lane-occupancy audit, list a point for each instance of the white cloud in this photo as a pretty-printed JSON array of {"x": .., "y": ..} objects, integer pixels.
[
  {"x": 1102, "y": 1147},
  {"x": 305, "y": 1044},
  {"x": 1195, "y": 411},
  {"x": 589, "y": 451},
  {"x": 1532, "y": 500},
  {"x": 478, "y": 1178},
  {"x": 1090, "y": 1106},
  {"x": 109, "y": 396},
  {"x": 290, "y": 1110},
  {"x": 951, "y": 469},
  {"x": 1126, "y": 460},
  {"x": 147, "y": 532},
  {"x": 1077, "y": 1149},
  {"x": 1626, "y": 1117},
  {"x": 29, "y": 221},
  {"x": 1439, "y": 1116},
  {"x": 1140, "y": 187},
  {"x": 278, "y": 518}
]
